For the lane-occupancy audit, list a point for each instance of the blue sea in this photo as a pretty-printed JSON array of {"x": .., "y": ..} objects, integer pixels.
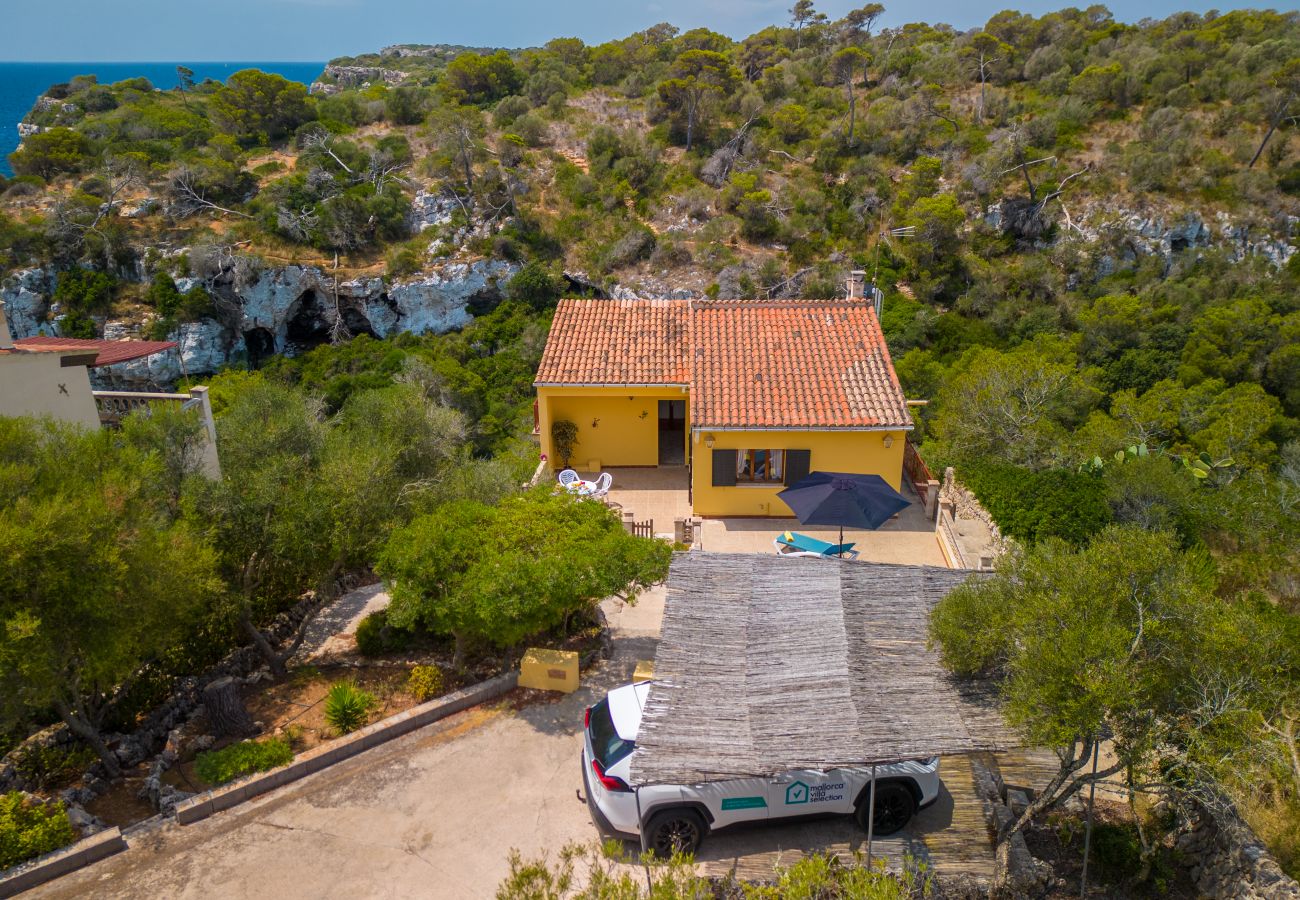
[{"x": 22, "y": 83}]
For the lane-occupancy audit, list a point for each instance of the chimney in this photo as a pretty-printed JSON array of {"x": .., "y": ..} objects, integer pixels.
[
  {"x": 6, "y": 339},
  {"x": 857, "y": 278}
]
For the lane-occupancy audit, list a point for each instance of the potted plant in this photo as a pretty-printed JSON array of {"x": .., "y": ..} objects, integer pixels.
[{"x": 564, "y": 437}]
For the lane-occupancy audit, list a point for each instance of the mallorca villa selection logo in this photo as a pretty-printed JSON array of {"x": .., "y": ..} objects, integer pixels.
[{"x": 796, "y": 793}]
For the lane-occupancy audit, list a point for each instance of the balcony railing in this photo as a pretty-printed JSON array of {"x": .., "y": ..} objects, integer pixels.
[
  {"x": 114, "y": 406},
  {"x": 922, "y": 480}
]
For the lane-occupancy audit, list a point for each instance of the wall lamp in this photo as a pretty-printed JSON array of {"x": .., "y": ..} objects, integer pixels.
[
  {"x": 888, "y": 440},
  {"x": 708, "y": 441}
]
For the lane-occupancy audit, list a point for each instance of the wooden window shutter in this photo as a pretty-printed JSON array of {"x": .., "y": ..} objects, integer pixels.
[
  {"x": 797, "y": 465},
  {"x": 724, "y": 468}
]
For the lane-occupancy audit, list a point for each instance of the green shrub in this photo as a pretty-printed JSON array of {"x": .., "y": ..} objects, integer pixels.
[
  {"x": 426, "y": 682},
  {"x": 346, "y": 707},
  {"x": 244, "y": 758},
  {"x": 29, "y": 828},
  {"x": 1030, "y": 505},
  {"x": 52, "y": 767},
  {"x": 375, "y": 636}
]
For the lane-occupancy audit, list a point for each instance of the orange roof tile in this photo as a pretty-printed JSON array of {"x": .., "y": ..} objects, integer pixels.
[
  {"x": 749, "y": 363},
  {"x": 619, "y": 342}
]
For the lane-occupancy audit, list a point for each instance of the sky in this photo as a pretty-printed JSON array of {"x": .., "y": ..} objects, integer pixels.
[{"x": 312, "y": 30}]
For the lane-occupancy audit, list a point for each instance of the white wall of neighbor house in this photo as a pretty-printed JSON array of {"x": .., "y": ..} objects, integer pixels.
[{"x": 38, "y": 384}]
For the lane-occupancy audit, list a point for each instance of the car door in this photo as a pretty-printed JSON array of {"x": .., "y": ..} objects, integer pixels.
[
  {"x": 806, "y": 792},
  {"x": 733, "y": 801}
]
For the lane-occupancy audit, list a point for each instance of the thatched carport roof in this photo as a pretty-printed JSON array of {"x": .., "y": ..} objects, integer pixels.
[{"x": 769, "y": 664}]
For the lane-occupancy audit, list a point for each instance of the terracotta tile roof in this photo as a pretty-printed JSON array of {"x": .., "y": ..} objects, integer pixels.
[
  {"x": 617, "y": 342},
  {"x": 109, "y": 352},
  {"x": 749, "y": 363}
]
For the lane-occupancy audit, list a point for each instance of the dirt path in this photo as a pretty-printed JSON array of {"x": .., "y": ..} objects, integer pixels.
[{"x": 333, "y": 631}]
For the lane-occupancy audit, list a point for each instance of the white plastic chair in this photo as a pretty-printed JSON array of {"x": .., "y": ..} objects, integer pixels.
[
  {"x": 568, "y": 478},
  {"x": 603, "y": 484}
]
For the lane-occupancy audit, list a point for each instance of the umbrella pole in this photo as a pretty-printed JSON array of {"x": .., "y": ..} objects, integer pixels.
[{"x": 841, "y": 547}]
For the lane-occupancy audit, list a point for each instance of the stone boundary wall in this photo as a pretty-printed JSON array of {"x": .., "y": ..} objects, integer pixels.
[
  {"x": 1016, "y": 871},
  {"x": 1228, "y": 862},
  {"x": 61, "y": 862},
  {"x": 200, "y": 807}
]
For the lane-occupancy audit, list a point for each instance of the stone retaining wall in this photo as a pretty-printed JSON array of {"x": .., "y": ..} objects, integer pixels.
[
  {"x": 152, "y": 734},
  {"x": 1228, "y": 862},
  {"x": 1017, "y": 872}
]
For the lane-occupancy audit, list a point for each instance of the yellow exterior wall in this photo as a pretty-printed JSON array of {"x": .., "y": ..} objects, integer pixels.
[
  {"x": 29, "y": 386},
  {"x": 859, "y": 452},
  {"x": 622, "y": 436}
]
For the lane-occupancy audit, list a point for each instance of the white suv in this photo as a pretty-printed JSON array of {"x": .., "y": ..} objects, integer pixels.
[{"x": 676, "y": 817}]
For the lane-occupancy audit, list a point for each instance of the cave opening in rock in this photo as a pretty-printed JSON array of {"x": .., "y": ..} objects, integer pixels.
[
  {"x": 1179, "y": 244},
  {"x": 260, "y": 344},
  {"x": 355, "y": 321},
  {"x": 307, "y": 327}
]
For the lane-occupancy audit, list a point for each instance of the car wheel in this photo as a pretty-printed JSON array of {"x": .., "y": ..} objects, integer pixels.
[
  {"x": 895, "y": 807},
  {"x": 674, "y": 831}
]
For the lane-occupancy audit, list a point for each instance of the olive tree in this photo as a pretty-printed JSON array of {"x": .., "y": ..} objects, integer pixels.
[
  {"x": 97, "y": 579},
  {"x": 500, "y": 574},
  {"x": 1122, "y": 642}
]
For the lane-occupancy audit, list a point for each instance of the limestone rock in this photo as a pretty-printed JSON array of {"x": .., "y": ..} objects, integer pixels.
[
  {"x": 26, "y": 295},
  {"x": 430, "y": 210}
]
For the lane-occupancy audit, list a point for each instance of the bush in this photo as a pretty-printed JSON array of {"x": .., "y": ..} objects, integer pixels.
[
  {"x": 29, "y": 828},
  {"x": 375, "y": 636},
  {"x": 243, "y": 758},
  {"x": 346, "y": 707},
  {"x": 1030, "y": 505},
  {"x": 426, "y": 682},
  {"x": 536, "y": 286},
  {"x": 54, "y": 766}
]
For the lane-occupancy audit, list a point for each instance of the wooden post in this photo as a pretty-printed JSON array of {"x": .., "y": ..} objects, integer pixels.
[{"x": 871, "y": 815}]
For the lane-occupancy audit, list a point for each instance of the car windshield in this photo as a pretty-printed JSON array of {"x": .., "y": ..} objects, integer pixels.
[{"x": 606, "y": 745}]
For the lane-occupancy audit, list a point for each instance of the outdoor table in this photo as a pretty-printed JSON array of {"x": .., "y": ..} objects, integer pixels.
[{"x": 581, "y": 488}]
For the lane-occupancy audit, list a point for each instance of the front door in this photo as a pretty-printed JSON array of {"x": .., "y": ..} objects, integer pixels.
[
  {"x": 806, "y": 792},
  {"x": 672, "y": 432}
]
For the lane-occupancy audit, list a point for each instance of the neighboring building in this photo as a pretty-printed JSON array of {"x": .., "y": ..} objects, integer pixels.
[
  {"x": 48, "y": 376},
  {"x": 751, "y": 395}
]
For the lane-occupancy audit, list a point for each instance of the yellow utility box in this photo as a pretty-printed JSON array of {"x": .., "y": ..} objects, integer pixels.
[
  {"x": 549, "y": 670},
  {"x": 645, "y": 670}
]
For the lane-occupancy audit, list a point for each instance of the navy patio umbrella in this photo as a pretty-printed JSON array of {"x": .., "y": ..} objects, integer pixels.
[{"x": 843, "y": 499}]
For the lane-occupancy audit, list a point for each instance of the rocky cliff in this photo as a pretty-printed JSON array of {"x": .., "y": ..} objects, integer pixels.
[{"x": 285, "y": 309}]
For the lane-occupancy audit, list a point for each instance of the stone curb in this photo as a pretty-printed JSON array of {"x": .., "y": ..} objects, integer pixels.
[
  {"x": 61, "y": 862},
  {"x": 200, "y": 807}
]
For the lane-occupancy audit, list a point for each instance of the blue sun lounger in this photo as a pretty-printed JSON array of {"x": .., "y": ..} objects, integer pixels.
[{"x": 791, "y": 543}]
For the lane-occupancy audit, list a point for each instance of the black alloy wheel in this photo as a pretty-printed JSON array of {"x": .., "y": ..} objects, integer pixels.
[
  {"x": 895, "y": 807},
  {"x": 674, "y": 831}
]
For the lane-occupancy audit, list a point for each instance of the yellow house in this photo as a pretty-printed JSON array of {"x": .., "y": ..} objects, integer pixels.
[{"x": 749, "y": 395}]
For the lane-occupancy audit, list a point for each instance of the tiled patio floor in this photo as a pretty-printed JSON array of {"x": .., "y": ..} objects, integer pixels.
[{"x": 661, "y": 494}]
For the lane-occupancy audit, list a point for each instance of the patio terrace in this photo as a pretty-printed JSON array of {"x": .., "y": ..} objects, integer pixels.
[{"x": 662, "y": 495}]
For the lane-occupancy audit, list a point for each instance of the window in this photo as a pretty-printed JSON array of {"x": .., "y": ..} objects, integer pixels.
[
  {"x": 760, "y": 466},
  {"x": 606, "y": 746}
]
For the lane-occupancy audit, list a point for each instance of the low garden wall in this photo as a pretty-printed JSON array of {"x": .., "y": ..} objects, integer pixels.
[
  {"x": 1228, "y": 862},
  {"x": 61, "y": 862}
]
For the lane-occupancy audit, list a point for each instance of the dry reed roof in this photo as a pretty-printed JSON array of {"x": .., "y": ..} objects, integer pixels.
[
  {"x": 749, "y": 363},
  {"x": 769, "y": 664}
]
